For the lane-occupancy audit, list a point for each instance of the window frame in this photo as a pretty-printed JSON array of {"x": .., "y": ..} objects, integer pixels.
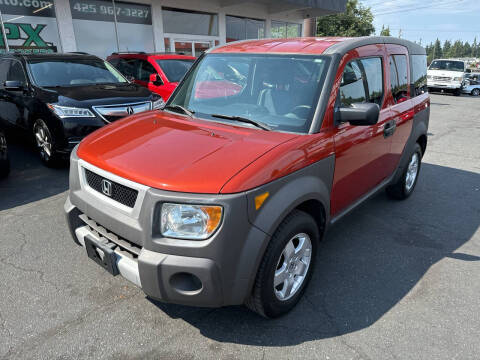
[{"x": 365, "y": 80}]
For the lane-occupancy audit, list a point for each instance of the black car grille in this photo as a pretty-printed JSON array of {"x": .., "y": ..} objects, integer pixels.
[{"x": 123, "y": 194}]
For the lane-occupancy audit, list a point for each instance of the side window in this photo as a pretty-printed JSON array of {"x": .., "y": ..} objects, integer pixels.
[
  {"x": 16, "y": 73},
  {"x": 4, "y": 65},
  {"x": 373, "y": 69},
  {"x": 419, "y": 68},
  {"x": 145, "y": 70},
  {"x": 399, "y": 77},
  {"x": 352, "y": 88}
]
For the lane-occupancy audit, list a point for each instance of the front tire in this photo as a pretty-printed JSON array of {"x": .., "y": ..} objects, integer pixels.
[
  {"x": 404, "y": 187},
  {"x": 475, "y": 92},
  {"x": 46, "y": 143},
  {"x": 4, "y": 159},
  {"x": 286, "y": 267}
]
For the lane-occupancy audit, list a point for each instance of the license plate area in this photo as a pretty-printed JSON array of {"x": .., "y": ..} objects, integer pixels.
[{"x": 101, "y": 254}]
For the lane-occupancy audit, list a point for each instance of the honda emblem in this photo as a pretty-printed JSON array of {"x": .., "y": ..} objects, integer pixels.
[{"x": 106, "y": 188}]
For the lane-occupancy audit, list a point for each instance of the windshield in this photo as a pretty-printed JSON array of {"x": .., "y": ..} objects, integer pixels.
[
  {"x": 175, "y": 69},
  {"x": 280, "y": 91},
  {"x": 71, "y": 72},
  {"x": 447, "y": 65}
]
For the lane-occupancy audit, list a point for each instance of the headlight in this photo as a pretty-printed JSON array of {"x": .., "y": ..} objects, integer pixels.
[
  {"x": 184, "y": 221},
  {"x": 158, "y": 104},
  {"x": 458, "y": 79},
  {"x": 65, "y": 111}
]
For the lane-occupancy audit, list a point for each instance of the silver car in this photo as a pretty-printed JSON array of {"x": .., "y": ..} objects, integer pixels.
[{"x": 471, "y": 84}]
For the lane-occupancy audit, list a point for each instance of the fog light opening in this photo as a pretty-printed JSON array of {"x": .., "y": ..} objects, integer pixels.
[{"x": 185, "y": 283}]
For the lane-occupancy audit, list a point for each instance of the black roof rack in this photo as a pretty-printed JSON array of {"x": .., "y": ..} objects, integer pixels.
[
  {"x": 150, "y": 53},
  {"x": 128, "y": 52}
]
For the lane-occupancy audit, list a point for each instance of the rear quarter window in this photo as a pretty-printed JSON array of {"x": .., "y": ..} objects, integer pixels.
[
  {"x": 399, "y": 77},
  {"x": 419, "y": 74}
]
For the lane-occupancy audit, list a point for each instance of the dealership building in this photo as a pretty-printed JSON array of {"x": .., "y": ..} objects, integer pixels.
[{"x": 101, "y": 27}]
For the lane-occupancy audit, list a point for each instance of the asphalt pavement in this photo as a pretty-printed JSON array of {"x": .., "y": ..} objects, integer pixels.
[{"x": 395, "y": 280}]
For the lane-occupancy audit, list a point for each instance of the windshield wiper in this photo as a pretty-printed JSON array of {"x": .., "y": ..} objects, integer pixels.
[
  {"x": 258, "y": 124},
  {"x": 185, "y": 110}
]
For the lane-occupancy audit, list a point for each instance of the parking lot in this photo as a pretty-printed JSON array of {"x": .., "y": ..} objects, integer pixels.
[{"x": 395, "y": 280}]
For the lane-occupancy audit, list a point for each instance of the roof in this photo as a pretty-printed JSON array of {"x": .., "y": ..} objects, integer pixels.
[
  {"x": 313, "y": 45},
  {"x": 142, "y": 55}
]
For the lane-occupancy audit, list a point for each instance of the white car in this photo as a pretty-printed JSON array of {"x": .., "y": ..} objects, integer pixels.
[{"x": 446, "y": 75}]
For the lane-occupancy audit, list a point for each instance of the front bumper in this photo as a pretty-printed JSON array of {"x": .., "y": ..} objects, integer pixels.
[
  {"x": 214, "y": 272},
  {"x": 445, "y": 86}
]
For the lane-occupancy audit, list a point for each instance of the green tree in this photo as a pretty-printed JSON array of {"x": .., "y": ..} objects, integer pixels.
[
  {"x": 475, "y": 49},
  {"x": 467, "y": 50},
  {"x": 437, "y": 50},
  {"x": 357, "y": 20},
  {"x": 457, "y": 49},
  {"x": 447, "y": 46},
  {"x": 385, "y": 31}
]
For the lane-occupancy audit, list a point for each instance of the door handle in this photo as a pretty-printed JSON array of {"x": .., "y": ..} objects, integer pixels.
[{"x": 389, "y": 128}]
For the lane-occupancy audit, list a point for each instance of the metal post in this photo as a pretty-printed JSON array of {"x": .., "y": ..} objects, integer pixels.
[
  {"x": 115, "y": 24},
  {"x": 7, "y": 49}
]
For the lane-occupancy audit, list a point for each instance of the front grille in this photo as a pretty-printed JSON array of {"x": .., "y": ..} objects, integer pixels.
[
  {"x": 117, "y": 111},
  {"x": 125, "y": 247},
  {"x": 442, "y": 78},
  {"x": 120, "y": 193}
]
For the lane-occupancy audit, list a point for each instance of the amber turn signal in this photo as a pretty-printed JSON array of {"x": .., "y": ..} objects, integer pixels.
[{"x": 260, "y": 199}]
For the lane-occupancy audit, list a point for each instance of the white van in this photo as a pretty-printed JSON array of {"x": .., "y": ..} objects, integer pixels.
[{"x": 446, "y": 75}]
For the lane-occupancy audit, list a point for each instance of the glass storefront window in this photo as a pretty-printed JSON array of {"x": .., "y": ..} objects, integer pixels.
[
  {"x": 282, "y": 29},
  {"x": 239, "y": 28},
  {"x": 178, "y": 21},
  {"x": 30, "y": 26},
  {"x": 94, "y": 26}
]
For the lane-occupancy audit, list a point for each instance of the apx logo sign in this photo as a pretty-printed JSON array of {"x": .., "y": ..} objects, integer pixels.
[{"x": 27, "y": 32}]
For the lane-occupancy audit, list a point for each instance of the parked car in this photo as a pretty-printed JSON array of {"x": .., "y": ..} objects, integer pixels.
[
  {"x": 446, "y": 75},
  {"x": 222, "y": 199},
  {"x": 60, "y": 98},
  {"x": 4, "y": 160},
  {"x": 160, "y": 73},
  {"x": 471, "y": 85}
]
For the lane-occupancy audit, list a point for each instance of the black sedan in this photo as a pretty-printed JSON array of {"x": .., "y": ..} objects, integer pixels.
[{"x": 61, "y": 98}]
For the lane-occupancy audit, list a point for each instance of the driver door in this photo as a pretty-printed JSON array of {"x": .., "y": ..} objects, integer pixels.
[{"x": 362, "y": 152}]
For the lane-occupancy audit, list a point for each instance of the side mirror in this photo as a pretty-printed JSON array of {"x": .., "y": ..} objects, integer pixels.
[
  {"x": 155, "y": 79},
  {"x": 14, "y": 85},
  {"x": 349, "y": 77},
  {"x": 468, "y": 71},
  {"x": 360, "y": 114}
]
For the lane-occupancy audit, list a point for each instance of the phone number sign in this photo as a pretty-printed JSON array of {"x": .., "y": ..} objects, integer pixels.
[{"x": 103, "y": 11}]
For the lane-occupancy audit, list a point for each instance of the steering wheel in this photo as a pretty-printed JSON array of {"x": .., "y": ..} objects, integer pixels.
[{"x": 301, "y": 111}]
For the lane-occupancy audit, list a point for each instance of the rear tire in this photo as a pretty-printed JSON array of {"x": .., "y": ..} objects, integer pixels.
[
  {"x": 46, "y": 143},
  {"x": 475, "y": 92},
  {"x": 288, "y": 262},
  {"x": 404, "y": 187},
  {"x": 457, "y": 92},
  {"x": 4, "y": 159}
]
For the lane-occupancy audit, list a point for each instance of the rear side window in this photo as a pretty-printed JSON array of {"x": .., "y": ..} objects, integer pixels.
[
  {"x": 362, "y": 82},
  {"x": 419, "y": 72},
  {"x": 399, "y": 77}
]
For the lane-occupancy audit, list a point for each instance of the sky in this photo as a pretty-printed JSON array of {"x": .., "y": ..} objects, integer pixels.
[{"x": 428, "y": 20}]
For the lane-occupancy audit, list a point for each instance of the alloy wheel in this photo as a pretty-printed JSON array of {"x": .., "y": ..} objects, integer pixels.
[
  {"x": 412, "y": 172},
  {"x": 476, "y": 92},
  {"x": 292, "y": 267},
  {"x": 43, "y": 139}
]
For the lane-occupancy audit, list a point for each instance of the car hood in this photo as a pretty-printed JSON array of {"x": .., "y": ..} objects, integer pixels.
[
  {"x": 172, "y": 152},
  {"x": 97, "y": 94}
]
